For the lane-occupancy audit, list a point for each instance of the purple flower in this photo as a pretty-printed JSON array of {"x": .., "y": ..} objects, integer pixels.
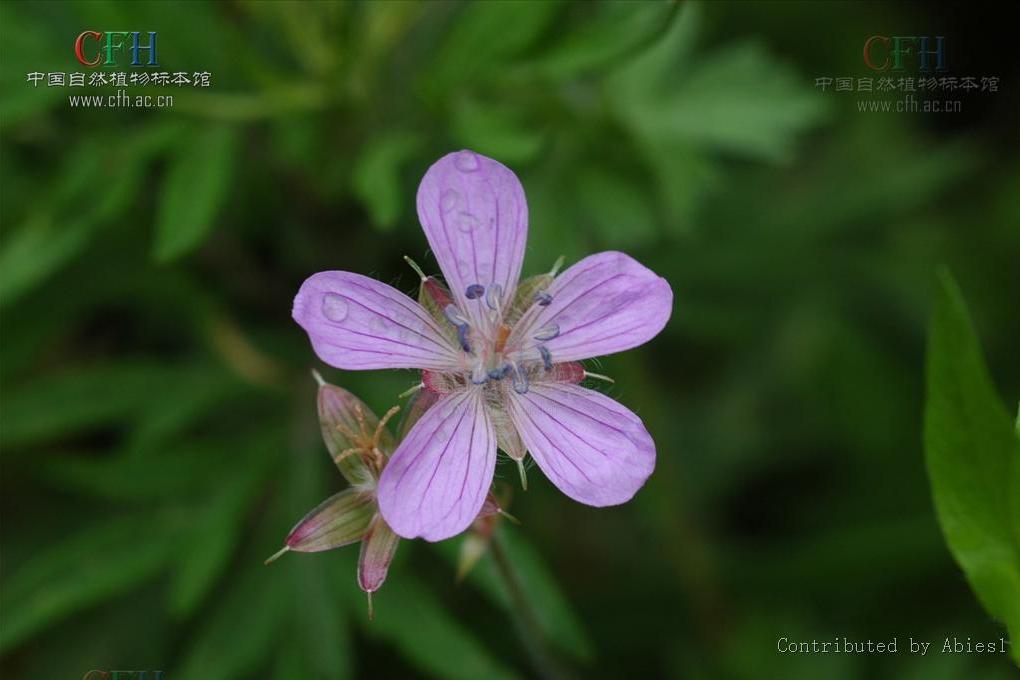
[{"x": 502, "y": 353}]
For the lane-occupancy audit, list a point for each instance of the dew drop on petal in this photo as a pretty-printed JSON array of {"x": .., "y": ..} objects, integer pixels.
[
  {"x": 449, "y": 200},
  {"x": 334, "y": 307},
  {"x": 466, "y": 161}
]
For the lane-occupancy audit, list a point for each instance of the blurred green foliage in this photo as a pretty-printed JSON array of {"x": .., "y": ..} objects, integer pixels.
[
  {"x": 973, "y": 455},
  {"x": 158, "y": 420}
]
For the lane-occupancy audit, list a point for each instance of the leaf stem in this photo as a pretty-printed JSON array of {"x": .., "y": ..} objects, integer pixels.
[{"x": 525, "y": 615}]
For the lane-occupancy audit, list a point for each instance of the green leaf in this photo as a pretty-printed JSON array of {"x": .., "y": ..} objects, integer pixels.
[
  {"x": 605, "y": 31},
  {"x": 558, "y": 621},
  {"x": 196, "y": 466},
  {"x": 973, "y": 457},
  {"x": 409, "y": 617},
  {"x": 496, "y": 130},
  {"x": 376, "y": 178},
  {"x": 238, "y": 637},
  {"x": 480, "y": 39},
  {"x": 318, "y": 626},
  {"x": 616, "y": 205},
  {"x": 206, "y": 549},
  {"x": 195, "y": 186},
  {"x": 739, "y": 100},
  {"x": 100, "y": 562},
  {"x": 64, "y": 225},
  {"x": 80, "y": 399},
  {"x": 37, "y": 249}
]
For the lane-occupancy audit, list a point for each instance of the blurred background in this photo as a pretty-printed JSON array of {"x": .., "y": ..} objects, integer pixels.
[{"x": 158, "y": 430}]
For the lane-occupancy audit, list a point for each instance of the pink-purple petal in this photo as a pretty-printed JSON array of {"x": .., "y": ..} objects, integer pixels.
[
  {"x": 475, "y": 217},
  {"x": 606, "y": 303},
  {"x": 591, "y": 447},
  {"x": 436, "y": 481},
  {"x": 355, "y": 323},
  {"x": 377, "y": 550}
]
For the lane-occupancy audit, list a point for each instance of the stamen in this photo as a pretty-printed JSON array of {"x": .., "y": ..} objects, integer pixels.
[
  {"x": 474, "y": 291},
  {"x": 500, "y": 372},
  {"x": 452, "y": 315},
  {"x": 547, "y": 332},
  {"x": 542, "y": 298},
  {"x": 381, "y": 427},
  {"x": 520, "y": 380},
  {"x": 462, "y": 336},
  {"x": 494, "y": 296},
  {"x": 479, "y": 376},
  {"x": 546, "y": 357},
  {"x": 415, "y": 267}
]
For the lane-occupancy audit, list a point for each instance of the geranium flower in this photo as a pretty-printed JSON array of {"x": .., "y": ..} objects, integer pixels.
[{"x": 502, "y": 354}]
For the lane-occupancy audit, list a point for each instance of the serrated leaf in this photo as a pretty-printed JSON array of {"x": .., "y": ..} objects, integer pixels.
[
  {"x": 973, "y": 457},
  {"x": 193, "y": 190},
  {"x": 738, "y": 100}
]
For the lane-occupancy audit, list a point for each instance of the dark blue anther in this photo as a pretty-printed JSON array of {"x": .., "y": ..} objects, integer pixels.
[
  {"x": 520, "y": 380},
  {"x": 500, "y": 372},
  {"x": 462, "y": 335},
  {"x": 453, "y": 315},
  {"x": 543, "y": 298},
  {"x": 474, "y": 291},
  {"x": 546, "y": 357}
]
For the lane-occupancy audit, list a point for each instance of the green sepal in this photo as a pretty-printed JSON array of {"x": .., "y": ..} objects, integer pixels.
[{"x": 339, "y": 520}]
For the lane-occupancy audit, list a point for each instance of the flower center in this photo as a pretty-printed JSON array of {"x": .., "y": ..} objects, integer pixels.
[{"x": 490, "y": 353}]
